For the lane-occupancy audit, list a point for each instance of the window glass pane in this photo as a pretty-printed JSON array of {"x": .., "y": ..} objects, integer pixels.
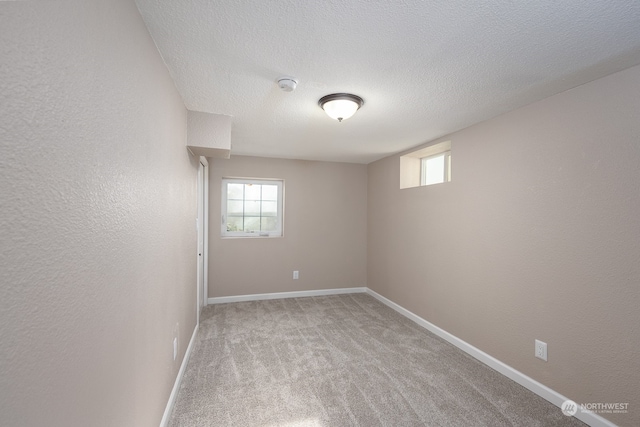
[
  {"x": 234, "y": 223},
  {"x": 235, "y": 191},
  {"x": 252, "y": 207},
  {"x": 252, "y": 191},
  {"x": 251, "y": 223},
  {"x": 269, "y": 208},
  {"x": 234, "y": 207},
  {"x": 435, "y": 170},
  {"x": 270, "y": 192},
  {"x": 269, "y": 223}
]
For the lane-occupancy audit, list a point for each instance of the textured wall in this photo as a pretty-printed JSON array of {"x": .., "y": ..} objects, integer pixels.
[
  {"x": 97, "y": 196},
  {"x": 537, "y": 236},
  {"x": 324, "y": 229}
]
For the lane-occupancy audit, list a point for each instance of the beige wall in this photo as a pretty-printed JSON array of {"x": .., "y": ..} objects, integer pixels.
[
  {"x": 324, "y": 229},
  {"x": 98, "y": 203},
  {"x": 537, "y": 236}
]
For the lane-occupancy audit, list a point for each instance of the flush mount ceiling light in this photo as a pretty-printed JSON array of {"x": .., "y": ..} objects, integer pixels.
[{"x": 340, "y": 106}]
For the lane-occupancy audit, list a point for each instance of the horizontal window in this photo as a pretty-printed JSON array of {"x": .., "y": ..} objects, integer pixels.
[{"x": 426, "y": 166}]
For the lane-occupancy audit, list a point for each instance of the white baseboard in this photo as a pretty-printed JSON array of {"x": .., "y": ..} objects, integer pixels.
[
  {"x": 281, "y": 295},
  {"x": 176, "y": 385},
  {"x": 529, "y": 383}
]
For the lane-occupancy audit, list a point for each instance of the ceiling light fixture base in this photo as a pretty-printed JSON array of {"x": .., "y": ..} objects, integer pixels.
[{"x": 340, "y": 106}]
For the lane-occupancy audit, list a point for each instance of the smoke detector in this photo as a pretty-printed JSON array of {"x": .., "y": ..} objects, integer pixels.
[{"x": 287, "y": 84}]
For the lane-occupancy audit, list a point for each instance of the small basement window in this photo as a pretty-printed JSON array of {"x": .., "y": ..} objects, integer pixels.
[
  {"x": 252, "y": 207},
  {"x": 427, "y": 166},
  {"x": 435, "y": 169}
]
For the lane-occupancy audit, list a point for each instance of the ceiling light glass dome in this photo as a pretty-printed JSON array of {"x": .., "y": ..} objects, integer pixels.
[{"x": 340, "y": 106}]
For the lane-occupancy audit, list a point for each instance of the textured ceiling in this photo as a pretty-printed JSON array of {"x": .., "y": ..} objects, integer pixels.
[{"x": 424, "y": 68}]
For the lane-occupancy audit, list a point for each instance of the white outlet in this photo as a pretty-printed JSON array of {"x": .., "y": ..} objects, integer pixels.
[
  {"x": 175, "y": 348},
  {"x": 296, "y": 274},
  {"x": 541, "y": 350}
]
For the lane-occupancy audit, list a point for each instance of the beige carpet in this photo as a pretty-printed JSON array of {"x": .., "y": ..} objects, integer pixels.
[{"x": 344, "y": 360}]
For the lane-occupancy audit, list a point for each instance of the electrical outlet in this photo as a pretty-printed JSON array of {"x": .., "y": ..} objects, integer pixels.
[
  {"x": 296, "y": 274},
  {"x": 175, "y": 348},
  {"x": 541, "y": 350}
]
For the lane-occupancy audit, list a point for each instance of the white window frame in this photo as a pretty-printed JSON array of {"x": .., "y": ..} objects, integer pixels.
[
  {"x": 258, "y": 181},
  {"x": 447, "y": 168},
  {"x": 411, "y": 171}
]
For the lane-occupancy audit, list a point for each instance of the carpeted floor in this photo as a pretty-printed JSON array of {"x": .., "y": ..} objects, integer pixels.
[{"x": 343, "y": 360}]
